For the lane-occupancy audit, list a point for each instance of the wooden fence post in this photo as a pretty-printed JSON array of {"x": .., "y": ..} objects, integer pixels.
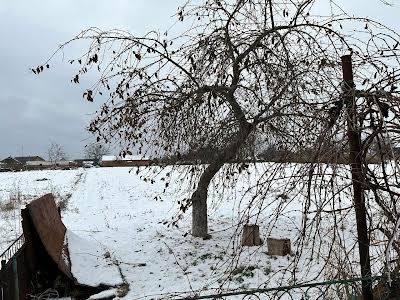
[{"x": 357, "y": 175}]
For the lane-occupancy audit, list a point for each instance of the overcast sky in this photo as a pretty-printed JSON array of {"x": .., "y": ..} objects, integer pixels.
[{"x": 35, "y": 110}]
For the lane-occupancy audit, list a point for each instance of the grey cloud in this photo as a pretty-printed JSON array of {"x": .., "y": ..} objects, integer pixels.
[
  {"x": 33, "y": 126},
  {"x": 37, "y": 109}
]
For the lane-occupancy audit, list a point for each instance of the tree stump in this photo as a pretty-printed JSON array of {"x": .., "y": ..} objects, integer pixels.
[
  {"x": 280, "y": 247},
  {"x": 251, "y": 235}
]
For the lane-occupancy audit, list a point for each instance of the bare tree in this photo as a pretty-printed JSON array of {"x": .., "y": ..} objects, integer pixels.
[
  {"x": 96, "y": 151},
  {"x": 239, "y": 67},
  {"x": 55, "y": 152},
  {"x": 211, "y": 87}
]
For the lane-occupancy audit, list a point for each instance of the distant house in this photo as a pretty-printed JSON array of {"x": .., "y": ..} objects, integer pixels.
[
  {"x": 34, "y": 163},
  {"x": 4, "y": 168},
  {"x": 127, "y": 161},
  {"x": 12, "y": 163},
  {"x": 45, "y": 165},
  {"x": 19, "y": 163},
  {"x": 25, "y": 159},
  {"x": 38, "y": 165}
]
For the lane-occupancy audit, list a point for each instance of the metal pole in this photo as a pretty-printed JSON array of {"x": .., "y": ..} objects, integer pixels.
[{"x": 357, "y": 176}]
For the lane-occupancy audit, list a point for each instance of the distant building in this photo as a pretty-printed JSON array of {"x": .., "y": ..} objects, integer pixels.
[
  {"x": 4, "y": 167},
  {"x": 25, "y": 159},
  {"x": 127, "y": 161},
  {"x": 45, "y": 165},
  {"x": 12, "y": 163},
  {"x": 18, "y": 163},
  {"x": 34, "y": 163},
  {"x": 38, "y": 165}
]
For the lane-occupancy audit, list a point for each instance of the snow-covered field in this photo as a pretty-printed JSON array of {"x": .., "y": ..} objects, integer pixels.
[{"x": 118, "y": 210}]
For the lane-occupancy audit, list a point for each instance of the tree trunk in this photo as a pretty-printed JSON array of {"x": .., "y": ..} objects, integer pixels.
[
  {"x": 199, "y": 214},
  {"x": 199, "y": 202},
  {"x": 357, "y": 176},
  {"x": 199, "y": 197}
]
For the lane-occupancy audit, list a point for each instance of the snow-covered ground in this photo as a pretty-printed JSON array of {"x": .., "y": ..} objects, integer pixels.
[{"x": 118, "y": 210}]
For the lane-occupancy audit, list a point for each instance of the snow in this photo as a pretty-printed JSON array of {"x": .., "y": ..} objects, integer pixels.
[
  {"x": 115, "y": 219},
  {"x": 19, "y": 188},
  {"x": 91, "y": 263},
  {"x": 104, "y": 294},
  {"x": 109, "y": 158}
]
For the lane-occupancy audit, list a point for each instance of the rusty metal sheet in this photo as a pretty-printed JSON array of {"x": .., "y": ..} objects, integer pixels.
[{"x": 47, "y": 221}]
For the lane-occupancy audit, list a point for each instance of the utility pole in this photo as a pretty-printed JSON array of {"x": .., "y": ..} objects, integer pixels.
[{"x": 357, "y": 176}]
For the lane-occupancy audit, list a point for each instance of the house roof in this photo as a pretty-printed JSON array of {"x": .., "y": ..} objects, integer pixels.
[
  {"x": 24, "y": 159},
  {"x": 10, "y": 160}
]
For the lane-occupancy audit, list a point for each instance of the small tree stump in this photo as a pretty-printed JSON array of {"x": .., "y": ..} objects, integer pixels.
[
  {"x": 251, "y": 235},
  {"x": 280, "y": 247}
]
